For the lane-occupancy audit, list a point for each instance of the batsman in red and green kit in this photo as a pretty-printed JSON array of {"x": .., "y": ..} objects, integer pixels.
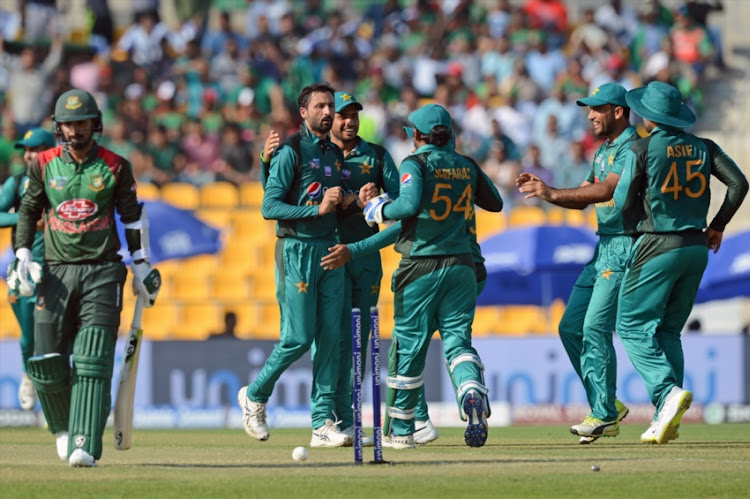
[
  {"x": 435, "y": 284},
  {"x": 77, "y": 187},
  {"x": 667, "y": 186}
]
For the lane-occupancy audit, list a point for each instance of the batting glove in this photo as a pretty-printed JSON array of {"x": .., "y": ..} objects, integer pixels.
[
  {"x": 24, "y": 273},
  {"x": 146, "y": 282},
  {"x": 374, "y": 210}
]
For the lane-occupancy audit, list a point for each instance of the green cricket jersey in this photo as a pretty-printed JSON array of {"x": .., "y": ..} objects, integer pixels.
[
  {"x": 609, "y": 158},
  {"x": 365, "y": 163},
  {"x": 668, "y": 182},
  {"x": 436, "y": 202},
  {"x": 78, "y": 201},
  {"x": 10, "y": 197},
  {"x": 294, "y": 189}
]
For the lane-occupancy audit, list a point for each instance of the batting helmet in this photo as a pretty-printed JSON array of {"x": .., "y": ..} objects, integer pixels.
[{"x": 75, "y": 105}]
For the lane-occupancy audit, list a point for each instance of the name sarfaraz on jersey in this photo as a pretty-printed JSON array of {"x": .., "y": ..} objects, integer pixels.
[{"x": 453, "y": 173}]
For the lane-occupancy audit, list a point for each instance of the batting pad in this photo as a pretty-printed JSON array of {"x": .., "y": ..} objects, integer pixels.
[
  {"x": 50, "y": 375},
  {"x": 91, "y": 400}
]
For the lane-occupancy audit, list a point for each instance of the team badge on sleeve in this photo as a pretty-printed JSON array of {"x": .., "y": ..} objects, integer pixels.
[
  {"x": 406, "y": 179},
  {"x": 314, "y": 163},
  {"x": 314, "y": 190}
]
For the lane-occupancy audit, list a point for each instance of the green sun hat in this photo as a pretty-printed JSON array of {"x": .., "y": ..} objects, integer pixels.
[
  {"x": 35, "y": 138},
  {"x": 343, "y": 100},
  {"x": 428, "y": 117},
  {"x": 661, "y": 103},
  {"x": 609, "y": 93}
]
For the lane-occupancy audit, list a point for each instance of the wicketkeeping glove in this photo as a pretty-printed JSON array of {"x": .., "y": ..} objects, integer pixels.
[
  {"x": 23, "y": 273},
  {"x": 374, "y": 209},
  {"x": 146, "y": 282}
]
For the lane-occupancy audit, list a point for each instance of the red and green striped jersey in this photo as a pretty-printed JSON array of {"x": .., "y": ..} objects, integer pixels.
[{"x": 78, "y": 201}]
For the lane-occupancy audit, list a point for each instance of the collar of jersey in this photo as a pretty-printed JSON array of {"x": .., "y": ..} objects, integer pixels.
[
  {"x": 625, "y": 135},
  {"x": 93, "y": 153}
]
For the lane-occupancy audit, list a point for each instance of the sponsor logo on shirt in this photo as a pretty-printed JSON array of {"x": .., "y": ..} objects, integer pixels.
[
  {"x": 58, "y": 183},
  {"x": 346, "y": 174},
  {"x": 406, "y": 179},
  {"x": 314, "y": 190},
  {"x": 76, "y": 209},
  {"x": 314, "y": 163},
  {"x": 328, "y": 171}
]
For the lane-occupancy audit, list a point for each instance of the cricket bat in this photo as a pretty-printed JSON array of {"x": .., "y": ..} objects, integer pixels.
[{"x": 126, "y": 385}]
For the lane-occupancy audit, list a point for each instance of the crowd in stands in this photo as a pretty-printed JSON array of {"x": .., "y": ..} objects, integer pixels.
[{"x": 193, "y": 101}]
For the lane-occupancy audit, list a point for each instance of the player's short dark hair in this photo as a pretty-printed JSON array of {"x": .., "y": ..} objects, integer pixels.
[
  {"x": 439, "y": 136},
  {"x": 304, "y": 96}
]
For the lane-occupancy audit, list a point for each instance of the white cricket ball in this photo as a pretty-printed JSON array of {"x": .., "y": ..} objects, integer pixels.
[
  {"x": 299, "y": 454},
  {"x": 595, "y": 468}
]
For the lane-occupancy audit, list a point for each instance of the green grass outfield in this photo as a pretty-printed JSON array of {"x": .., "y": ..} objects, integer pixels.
[{"x": 524, "y": 461}]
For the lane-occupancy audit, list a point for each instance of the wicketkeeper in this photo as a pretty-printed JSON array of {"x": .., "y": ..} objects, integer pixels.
[{"x": 435, "y": 284}]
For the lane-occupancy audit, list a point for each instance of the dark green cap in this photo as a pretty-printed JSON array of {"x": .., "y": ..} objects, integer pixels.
[
  {"x": 428, "y": 117},
  {"x": 609, "y": 93},
  {"x": 343, "y": 100},
  {"x": 35, "y": 138},
  {"x": 75, "y": 105}
]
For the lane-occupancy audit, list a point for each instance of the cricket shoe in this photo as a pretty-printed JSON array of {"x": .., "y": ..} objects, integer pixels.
[
  {"x": 593, "y": 427},
  {"x": 424, "y": 432},
  {"x": 349, "y": 432},
  {"x": 476, "y": 429},
  {"x": 26, "y": 394},
  {"x": 62, "y": 444},
  {"x": 668, "y": 423},
  {"x": 79, "y": 458},
  {"x": 649, "y": 436},
  {"x": 399, "y": 442},
  {"x": 622, "y": 411},
  {"x": 329, "y": 435},
  {"x": 253, "y": 416}
]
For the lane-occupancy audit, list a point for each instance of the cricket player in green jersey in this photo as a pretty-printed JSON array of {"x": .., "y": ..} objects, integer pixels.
[
  {"x": 302, "y": 192},
  {"x": 366, "y": 166},
  {"x": 77, "y": 187},
  {"x": 33, "y": 142},
  {"x": 424, "y": 431},
  {"x": 666, "y": 184},
  {"x": 435, "y": 284},
  {"x": 589, "y": 319}
]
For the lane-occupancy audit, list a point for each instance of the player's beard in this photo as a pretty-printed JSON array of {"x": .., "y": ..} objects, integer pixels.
[
  {"x": 321, "y": 126},
  {"x": 80, "y": 142}
]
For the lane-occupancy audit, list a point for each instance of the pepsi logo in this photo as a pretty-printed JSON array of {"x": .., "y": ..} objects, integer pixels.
[
  {"x": 406, "y": 179},
  {"x": 314, "y": 190},
  {"x": 76, "y": 209}
]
